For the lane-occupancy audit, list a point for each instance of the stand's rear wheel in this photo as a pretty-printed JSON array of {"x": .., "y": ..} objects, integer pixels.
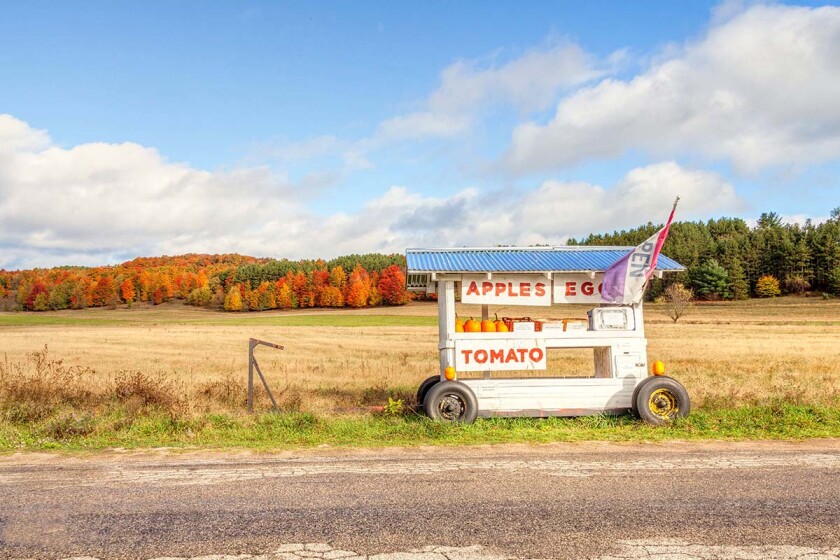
[
  {"x": 424, "y": 389},
  {"x": 451, "y": 401},
  {"x": 661, "y": 400},
  {"x": 633, "y": 408}
]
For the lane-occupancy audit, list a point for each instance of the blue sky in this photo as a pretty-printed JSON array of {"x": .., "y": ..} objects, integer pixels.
[{"x": 315, "y": 129}]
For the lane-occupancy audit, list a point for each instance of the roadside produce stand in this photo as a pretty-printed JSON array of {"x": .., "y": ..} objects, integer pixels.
[{"x": 541, "y": 277}]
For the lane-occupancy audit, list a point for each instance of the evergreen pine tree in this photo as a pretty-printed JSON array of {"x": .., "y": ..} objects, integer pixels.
[
  {"x": 738, "y": 284},
  {"x": 710, "y": 280}
]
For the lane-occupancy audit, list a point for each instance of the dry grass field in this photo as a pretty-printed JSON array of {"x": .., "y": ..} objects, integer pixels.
[{"x": 727, "y": 354}]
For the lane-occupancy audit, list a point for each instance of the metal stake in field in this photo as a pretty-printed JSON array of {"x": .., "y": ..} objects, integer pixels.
[{"x": 252, "y": 363}]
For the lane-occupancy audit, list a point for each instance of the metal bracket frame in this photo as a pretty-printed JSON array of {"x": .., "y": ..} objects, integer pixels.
[{"x": 252, "y": 365}]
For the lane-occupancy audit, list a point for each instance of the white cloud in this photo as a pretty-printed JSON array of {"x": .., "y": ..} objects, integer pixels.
[
  {"x": 644, "y": 194},
  {"x": 100, "y": 203},
  {"x": 759, "y": 90},
  {"x": 529, "y": 82},
  {"x": 109, "y": 199},
  {"x": 17, "y": 135},
  {"x": 425, "y": 124},
  {"x": 551, "y": 213}
]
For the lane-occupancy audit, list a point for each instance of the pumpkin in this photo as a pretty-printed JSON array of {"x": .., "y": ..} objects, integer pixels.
[
  {"x": 459, "y": 326},
  {"x": 488, "y": 326},
  {"x": 449, "y": 373},
  {"x": 501, "y": 326},
  {"x": 658, "y": 368},
  {"x": 472, "y": 326}
]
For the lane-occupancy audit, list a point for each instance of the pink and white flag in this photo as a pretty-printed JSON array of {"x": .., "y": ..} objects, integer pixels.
[{"x": 625, "y": 279}]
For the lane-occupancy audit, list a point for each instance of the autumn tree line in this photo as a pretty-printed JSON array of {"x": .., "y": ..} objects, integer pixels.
[
  {"x": 727, "y": 259},
  {"x": 229, "y": 282}
]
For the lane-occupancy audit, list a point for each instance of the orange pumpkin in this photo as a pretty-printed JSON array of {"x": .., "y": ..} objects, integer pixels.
[
  {"x": 501, "y": 326},
  {"x": 488, "y": 326},
  {"x": 472, "y": 326},
  {"x": 459, "y": 326}
]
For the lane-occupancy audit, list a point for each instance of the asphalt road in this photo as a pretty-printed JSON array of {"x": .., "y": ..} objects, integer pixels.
[{"x": 759, "y": 500}]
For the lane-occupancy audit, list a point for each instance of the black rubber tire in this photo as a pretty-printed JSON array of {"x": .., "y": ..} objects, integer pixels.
[
  {"x": 661, "y": 400},
  {"x": 424, "y": 388},
  {"x": 451, "y": 401},
  {"x": 633, "y": 408}
]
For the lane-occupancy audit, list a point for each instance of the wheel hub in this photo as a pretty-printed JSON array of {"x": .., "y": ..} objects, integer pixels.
[
  {"x": 452, "y": 407},
  {"x": 663, "y": 403}
]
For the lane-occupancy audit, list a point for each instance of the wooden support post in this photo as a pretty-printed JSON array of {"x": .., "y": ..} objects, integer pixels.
[
  {"x": 485, "y": 315},
  {"x": 446, "y": 323}
]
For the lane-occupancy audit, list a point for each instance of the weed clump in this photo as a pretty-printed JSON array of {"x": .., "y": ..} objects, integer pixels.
[
  {"x": 34, "y": 389},
  {"x": 139, "y": 391},
  {"x": 67, "y": 425},
  {"x": 64, "y": 401},
  {"x": 229, "y": 391}
]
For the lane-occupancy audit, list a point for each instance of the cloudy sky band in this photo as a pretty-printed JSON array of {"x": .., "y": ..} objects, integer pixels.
[{"x": 507, "y": 148}]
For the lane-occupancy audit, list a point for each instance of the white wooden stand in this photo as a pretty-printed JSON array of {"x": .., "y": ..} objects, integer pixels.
[{"x": 619, "y": 364}]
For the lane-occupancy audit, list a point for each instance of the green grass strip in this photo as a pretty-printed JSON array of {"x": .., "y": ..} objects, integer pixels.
[
  {"x": 297, "y": 430},
  {"x": 338, "y": 319},
  {"x": 31, "y": 319}
]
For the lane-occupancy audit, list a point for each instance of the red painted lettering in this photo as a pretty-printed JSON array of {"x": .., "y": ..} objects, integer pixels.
[
  {"x": 500, "y": 288},
  {"x": 486, "y": 288},
  {"x": 497, "y": 356},
  {"x": 539, "y": 289},
  {"x": 522, "y": 352},
  {"x": 512, "y": 292},
  {"x": 480, "y": 356},
  {"x": 511, "y": 356},
  {"x": 570, "y": 289},
  {"x": 473, "y": 289},
  {"x": 466, "y": 354},
  {"x": 536, "y": 354},
  {"x": 587, "y": 288},
  {"x": 525, "y": 289}
]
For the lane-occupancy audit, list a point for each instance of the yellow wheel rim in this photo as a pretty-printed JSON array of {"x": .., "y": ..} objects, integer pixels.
[{"x": 663, "y": 403}]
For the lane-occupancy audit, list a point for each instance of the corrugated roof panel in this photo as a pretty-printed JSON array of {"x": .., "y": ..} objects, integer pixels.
[{"x": 506, "y": 259}]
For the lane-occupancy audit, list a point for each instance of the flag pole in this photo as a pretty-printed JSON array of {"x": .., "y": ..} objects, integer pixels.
[{"x": 625, "y": 282}]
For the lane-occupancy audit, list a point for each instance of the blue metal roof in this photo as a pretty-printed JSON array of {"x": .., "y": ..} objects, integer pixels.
[{"x": 530, "y": 259}]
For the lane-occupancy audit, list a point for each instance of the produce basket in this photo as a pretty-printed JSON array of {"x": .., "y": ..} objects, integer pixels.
[{"x": 511, "y": 322}]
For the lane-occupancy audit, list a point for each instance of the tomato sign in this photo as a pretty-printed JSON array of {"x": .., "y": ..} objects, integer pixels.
[
  {"x": 499, "y": 355},
  {"x": 507, "y": 289},
  {"x": 577, "y": 288}
]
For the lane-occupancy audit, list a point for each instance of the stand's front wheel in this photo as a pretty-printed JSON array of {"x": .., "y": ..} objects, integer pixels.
[
  {"x": 451, "y": 401},
  {"x": 662, "y": 399}
]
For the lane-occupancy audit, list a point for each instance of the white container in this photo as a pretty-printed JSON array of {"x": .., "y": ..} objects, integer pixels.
[
  {"x": 575, "y": 325},
  {"x": 611, "y": 319}
]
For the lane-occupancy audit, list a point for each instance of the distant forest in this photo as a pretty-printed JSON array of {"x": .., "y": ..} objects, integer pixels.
[
  {"x": 725, "y": 259},
  {"x": 229, "y": 282}
]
